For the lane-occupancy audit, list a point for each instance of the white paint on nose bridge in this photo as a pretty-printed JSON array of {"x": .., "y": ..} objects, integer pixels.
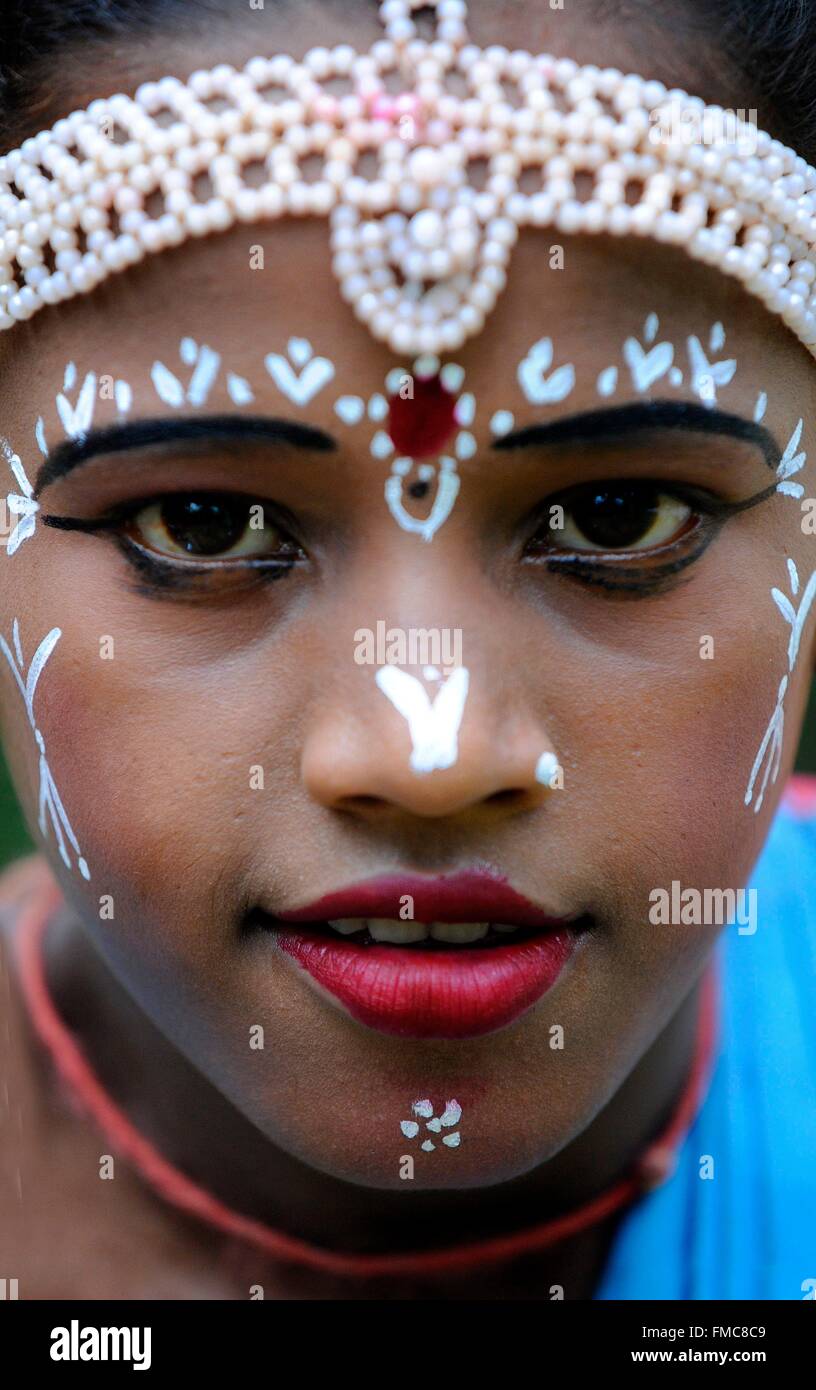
[{"x": 434, "y": 727}]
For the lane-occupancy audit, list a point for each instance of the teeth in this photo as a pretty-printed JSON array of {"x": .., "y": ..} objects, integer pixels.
[
  {"x": 399, "y": 933},
  {"x": 459, "y": 933},
  {"x": 349, "y": 925}
]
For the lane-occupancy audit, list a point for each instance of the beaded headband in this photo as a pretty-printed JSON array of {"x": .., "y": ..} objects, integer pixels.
[{"x": 420, "y": 244}]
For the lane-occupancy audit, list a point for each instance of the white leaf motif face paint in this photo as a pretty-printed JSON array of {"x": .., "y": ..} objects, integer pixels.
[
  {"x": 607, "y": 381},
  {"x": 434, "y": 728},
  {"x": 239, "y": 389},
  {"x": 20, "y": 504},
  {"x": 205, "y": 364},
  {"x": 539, "y": 388},
  {"x": 50, "y": 803},
  {"x": 771, "y": 746},
  {"x": 123, "y": 396},
  {"x": 791, "y": 462},
  {"x": 796, "y": 616},
  {"x": 315, "y": 372},
  {"x": 76, "y": 419},
  {"x": 647, "y": 367},
  {"x": 707, "y": 376}
]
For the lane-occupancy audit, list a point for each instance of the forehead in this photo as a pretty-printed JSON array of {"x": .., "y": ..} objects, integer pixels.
[{"x": 247, "y": 292}]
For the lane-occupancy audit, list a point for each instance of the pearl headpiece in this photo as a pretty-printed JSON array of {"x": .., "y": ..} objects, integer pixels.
[{"x": 420, "y": 244}]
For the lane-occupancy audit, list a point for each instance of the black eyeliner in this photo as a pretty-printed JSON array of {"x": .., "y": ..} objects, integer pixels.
[
  {"x": 171, "y": 578},
  {"x": 640, "y": 580}
]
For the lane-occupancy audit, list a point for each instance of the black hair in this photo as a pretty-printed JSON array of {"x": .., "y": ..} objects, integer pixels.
[
  {"x": 760, "y": 54},
  {"x": 36, "y": 34}
]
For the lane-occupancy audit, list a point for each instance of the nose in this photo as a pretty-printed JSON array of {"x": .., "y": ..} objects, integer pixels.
[{"x": 407, "y": 744}]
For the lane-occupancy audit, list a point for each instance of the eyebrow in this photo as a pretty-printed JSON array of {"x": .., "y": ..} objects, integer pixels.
[
  {"x": 643, "y": 417},
  {"x": 143, "y": 434}
]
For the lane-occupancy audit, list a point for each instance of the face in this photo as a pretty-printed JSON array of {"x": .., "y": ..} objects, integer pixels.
[{"x": 235, "y": 723}]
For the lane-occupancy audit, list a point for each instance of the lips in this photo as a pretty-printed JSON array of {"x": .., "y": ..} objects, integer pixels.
[{"x": 505, "y": 955}]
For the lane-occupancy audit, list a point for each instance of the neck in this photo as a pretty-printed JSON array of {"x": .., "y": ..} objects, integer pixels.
[{"x": 197, "y": 1129}]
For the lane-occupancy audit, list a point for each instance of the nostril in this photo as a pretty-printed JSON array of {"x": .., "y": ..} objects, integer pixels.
[
  {"x": 508, "y": 796},
  {"x": 361, "y": 803}
]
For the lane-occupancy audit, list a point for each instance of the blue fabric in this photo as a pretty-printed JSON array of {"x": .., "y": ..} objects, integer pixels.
[{"x": 750, "y": 1232}]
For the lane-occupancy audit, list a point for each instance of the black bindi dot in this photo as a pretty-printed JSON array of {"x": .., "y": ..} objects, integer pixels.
[{"x": 418, "y": 490}]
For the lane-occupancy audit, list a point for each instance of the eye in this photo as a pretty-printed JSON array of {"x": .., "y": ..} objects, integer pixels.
[
  {"x": 602, "y": 518},
  {"x": 209, "y": 526}
]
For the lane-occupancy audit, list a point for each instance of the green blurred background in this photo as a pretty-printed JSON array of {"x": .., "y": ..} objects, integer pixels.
[{"x": 15, "y": 840}]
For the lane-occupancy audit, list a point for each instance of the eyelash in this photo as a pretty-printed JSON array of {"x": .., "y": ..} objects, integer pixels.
[
  {"x": 645, "y": 579},
  {"x": 168, "y": 576}
]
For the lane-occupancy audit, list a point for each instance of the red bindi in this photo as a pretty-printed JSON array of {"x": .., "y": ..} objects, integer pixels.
[{"x": 421, "y": 425}]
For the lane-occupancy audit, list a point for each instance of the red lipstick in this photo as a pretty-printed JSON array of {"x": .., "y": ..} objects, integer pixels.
[{"x": 436, "y": 990}]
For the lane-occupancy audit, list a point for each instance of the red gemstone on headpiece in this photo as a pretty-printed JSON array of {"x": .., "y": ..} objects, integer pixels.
[{"x": 421, "y": 426}]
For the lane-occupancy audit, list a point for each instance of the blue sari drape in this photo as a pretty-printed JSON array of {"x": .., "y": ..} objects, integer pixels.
[{"x": 750, "y": 1230}]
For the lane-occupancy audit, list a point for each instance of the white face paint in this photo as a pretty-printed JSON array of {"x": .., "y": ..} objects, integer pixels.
[
  {"x": 647, "y": 367},
  {"x": 607, "y": 381},
  {"x": 447, "y": 490},
  {"x": 502, "y": 422},
  {"x": 205, "y": 364},
  {"x": 796, "y": 615},
  {"x": 20, "y": 504},
  {"x": 770, "y": 747},
  {"x": 123, "y": 397},
  {"x": 350, "y": 409},
  {"x": 303, "y": 375},
  {"x": 50, "y": 803},
  {"x": 790, "y": 463},
  {"x": 76, "y": 416},
  {"x": 382, "y": 446},
  {"x": 547, "y": 769},
  {"x": 707, "y": 376},
  {"x": 716, "y": 338},
  {"x": 434, "y": 727},
  {"x": 451, "y": 1116},
  {"x": 650, "y": 328},
  {"x": 538, "y": 387},
  {"x": 239, "y": 390}
]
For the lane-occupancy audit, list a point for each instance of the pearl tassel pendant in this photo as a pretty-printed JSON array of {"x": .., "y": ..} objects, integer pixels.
[{"x": 475, "y": 144}]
